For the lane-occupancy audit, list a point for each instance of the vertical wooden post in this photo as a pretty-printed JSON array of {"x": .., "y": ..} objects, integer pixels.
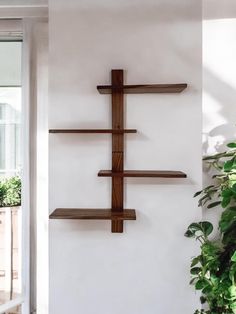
[{"x": 117, "y": 146}]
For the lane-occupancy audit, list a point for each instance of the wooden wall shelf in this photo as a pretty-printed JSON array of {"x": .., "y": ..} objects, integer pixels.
[
  {"x": 89, "y": 131},
  {"x": 143, "y": 174},
  {"x": 99, "y": 214},
  {"x": 142, "y": 89},
  {"x": 117, "y": 214}
]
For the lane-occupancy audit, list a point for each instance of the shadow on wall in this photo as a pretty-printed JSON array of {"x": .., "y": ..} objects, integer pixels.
[
  {"x": 225, "y": 95},
  {"x": 218, "y": 9},
  {"x": 222, "y": 93}
]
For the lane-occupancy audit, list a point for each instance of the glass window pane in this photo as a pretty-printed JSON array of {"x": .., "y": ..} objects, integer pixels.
[
  {"x": 10, "y": 63},
  {"x": 10, "y": 166},
  {"x": 10, "y": 130}
]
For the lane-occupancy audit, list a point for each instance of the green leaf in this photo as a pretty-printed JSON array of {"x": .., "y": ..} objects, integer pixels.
[
  {"x": 228, "y": 165},
  {"x": 189, "y": 234},
  {"x": 232, "y": 291},
  {"x": 228, "y": 217},
  {"x": 195, "y": 270},
  {"x": 233, "y": 307},
  {"x": 193, "y": 280},
  {"x": 227, "y": 192},
  {"x": 231, "y": 145},
  {"x": 207, "y": 289},
  {"x": 233, "y": 257},
  {"x": 234, "y": 187},
  {"x": 203, "y": 299},
  {"x": 232, "y": 208},
  {"x": 205, "y": 198},
  {"x": 214, "y": 204},
  {"x": 208, "y": 187},
  {"x": 195, "y": 261},
  {"x": 207, "y": 227},
  {"x": 229, "y": 235},
  {"x": 200, "y": 284},
  {"x": 225, "y": 201},
  {"x": 197, "y": 193},
  {"x": 192, "y": 229},
  {"x": 204, "y": 228}
]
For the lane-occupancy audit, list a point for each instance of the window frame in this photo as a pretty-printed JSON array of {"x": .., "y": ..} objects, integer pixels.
[{"x": 13, "y": 30}]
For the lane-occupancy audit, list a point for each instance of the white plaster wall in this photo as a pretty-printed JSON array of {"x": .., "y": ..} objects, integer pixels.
[
  {"x": 145, "y": 269},
  {"x": 219, "y": 80}
]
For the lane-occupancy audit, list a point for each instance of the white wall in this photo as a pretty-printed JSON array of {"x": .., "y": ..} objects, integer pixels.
[
  {"x": 219, "y": 80},
  {"x": 145, "y": 269}
]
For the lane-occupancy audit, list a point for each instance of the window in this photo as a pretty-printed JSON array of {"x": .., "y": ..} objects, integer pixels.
[
  {"x": 23, "y": 150},
  {"x": 11, "y": 282}
]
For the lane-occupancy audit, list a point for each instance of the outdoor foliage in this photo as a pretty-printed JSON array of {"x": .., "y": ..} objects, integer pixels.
[
  {"x": 213, "y": 272},
  {"x": 10, "y": 192}
]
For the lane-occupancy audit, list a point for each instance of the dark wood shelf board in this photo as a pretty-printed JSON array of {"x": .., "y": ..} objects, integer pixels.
[
  {"x": 92, "y": 214},
  {"x": 89, "y": 131},
  {"x": 143, "y": 89},
  {"x": 143, "y": 173}
]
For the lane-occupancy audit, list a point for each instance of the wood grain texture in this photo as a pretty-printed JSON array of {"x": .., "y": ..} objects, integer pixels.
[
  {"x": 112, "y": 131},
  {"x": 117, "y": 111},
  {"x": 142, "y": 89},
  {"x": 143, "y": 173},
  {"x": 117, "y": 194},
  {"x": 86, "y": 213},
  {"x": 117, "y": 197},
  {"x": 117, "y": 161}
]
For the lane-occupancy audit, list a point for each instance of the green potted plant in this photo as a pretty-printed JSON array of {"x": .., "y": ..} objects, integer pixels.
[
  {"x": 213, "y": 271},
  {"x": 10, "y": 192}
]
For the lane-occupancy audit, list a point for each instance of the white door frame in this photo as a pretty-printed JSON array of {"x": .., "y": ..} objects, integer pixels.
[{"x": 35, "y": 36}]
